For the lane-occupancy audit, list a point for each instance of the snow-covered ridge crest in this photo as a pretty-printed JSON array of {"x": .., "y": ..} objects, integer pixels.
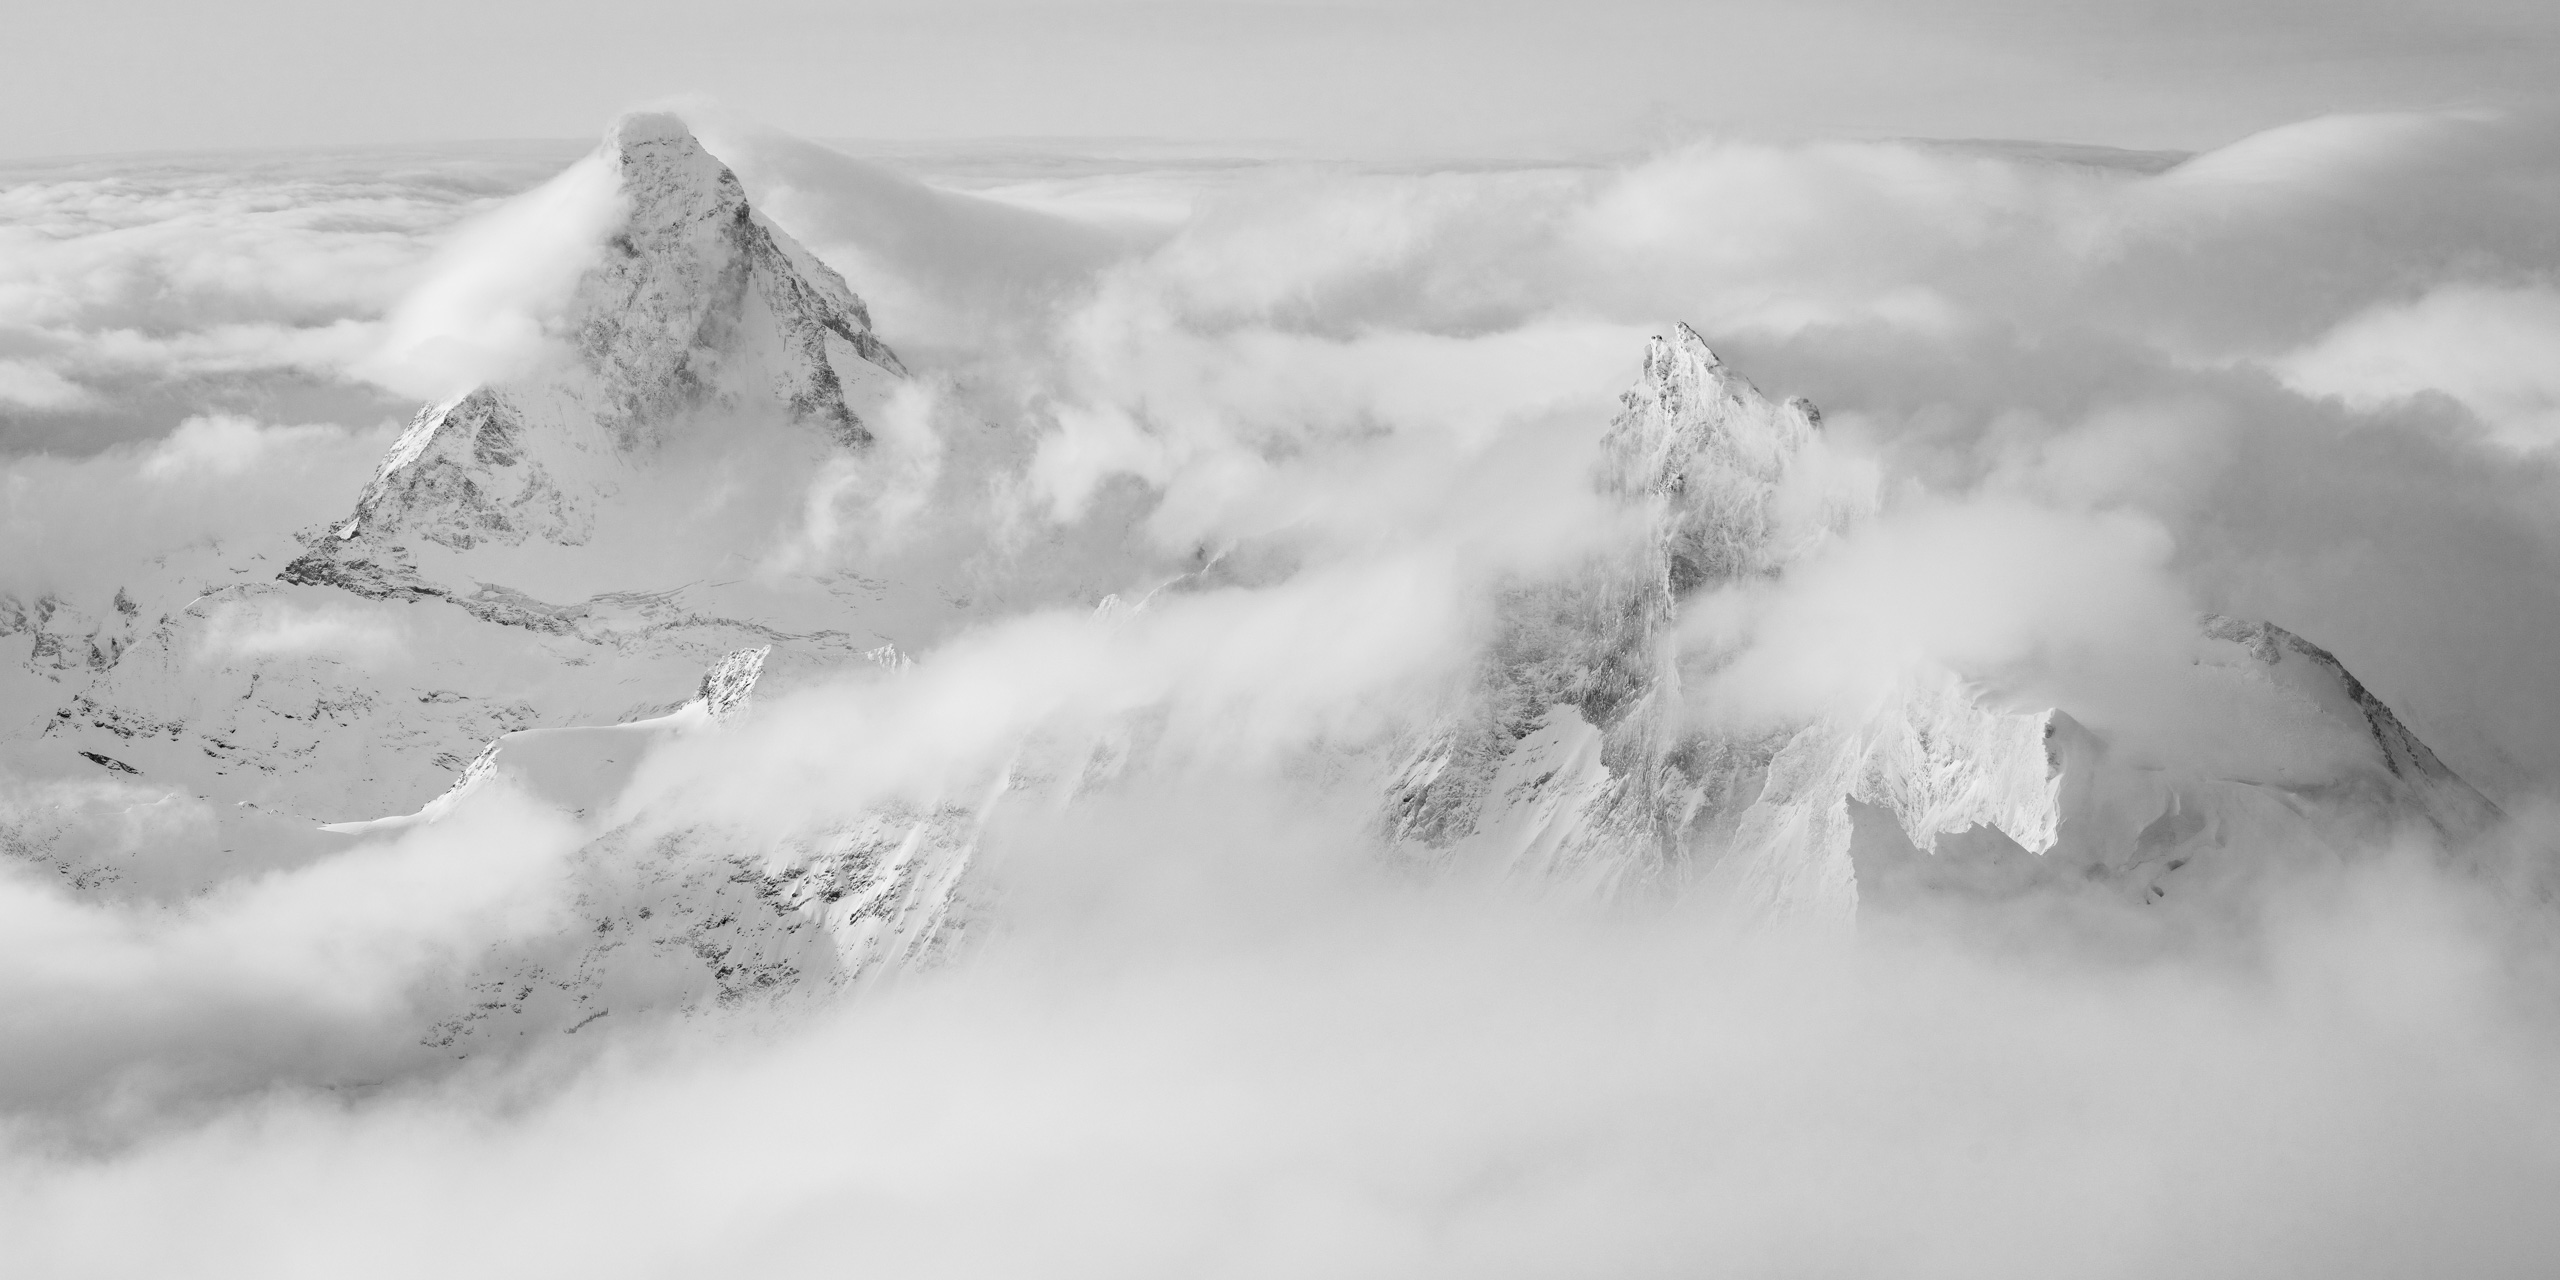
[
  {"x": 2313, "y": 675},
  {"x": 582, "y": 767}
]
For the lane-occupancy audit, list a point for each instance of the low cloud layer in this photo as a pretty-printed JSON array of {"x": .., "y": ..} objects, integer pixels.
[
  {"x": 217, "y": 485},
  {"x": 1211, "y": 1046},
  {"x": 134, "y": 294},
  {"x": 2481, "y": 347},
  {"x": 303, "y": 973}
]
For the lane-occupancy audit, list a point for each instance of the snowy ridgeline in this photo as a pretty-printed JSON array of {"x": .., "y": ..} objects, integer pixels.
[{"x": 549, "y": 572}]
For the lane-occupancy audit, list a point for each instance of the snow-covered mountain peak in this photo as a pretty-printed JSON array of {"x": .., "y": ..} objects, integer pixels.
[
  {"x": 665, "y": 172},
  {"x": 1681, "y": 355},
  {"x": 1579, "y": 762},
  {"x": 1711, "y": 454},
  {"x": 696, "y": 285},
  {"x": 1689, "y": 409},
  {"x": 595, "y": 518},
  {"x": 704, "y": 338},
  {"x": 2312, "y": 678}
]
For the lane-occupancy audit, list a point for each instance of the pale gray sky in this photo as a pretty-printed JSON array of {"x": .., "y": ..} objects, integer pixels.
[{"x": 121, "y": 75}]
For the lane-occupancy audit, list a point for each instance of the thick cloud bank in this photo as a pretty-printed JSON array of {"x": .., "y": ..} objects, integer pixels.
[
  {"x": 1326, "y": 1074},
  {"x": 1207, "y": 1029}
]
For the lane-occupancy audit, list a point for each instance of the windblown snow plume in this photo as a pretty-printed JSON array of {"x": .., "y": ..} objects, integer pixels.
[{"x": 1874, "y": 708}]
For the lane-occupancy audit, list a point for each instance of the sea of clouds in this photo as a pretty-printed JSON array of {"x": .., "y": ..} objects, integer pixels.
[{"x": 2303, "y": 378}]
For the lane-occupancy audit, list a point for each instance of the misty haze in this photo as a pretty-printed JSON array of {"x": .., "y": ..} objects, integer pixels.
[{"x": 1385, "y": 638}]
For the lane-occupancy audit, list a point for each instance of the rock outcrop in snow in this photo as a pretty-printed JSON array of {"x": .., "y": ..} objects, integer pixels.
[{"x": 726, "y": 685}]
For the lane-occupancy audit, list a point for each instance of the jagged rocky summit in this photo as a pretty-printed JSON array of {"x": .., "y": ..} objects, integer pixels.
[
  {"x": 1577, "y": 761},
  {"x": 564, "y": 547}
]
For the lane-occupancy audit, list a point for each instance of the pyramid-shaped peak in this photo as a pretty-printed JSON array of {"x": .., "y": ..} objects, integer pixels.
[
  {"x": 698, "y": 321},
  {"x": 666, "y": 175},
  {"x": 1700, "y": 439}
]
